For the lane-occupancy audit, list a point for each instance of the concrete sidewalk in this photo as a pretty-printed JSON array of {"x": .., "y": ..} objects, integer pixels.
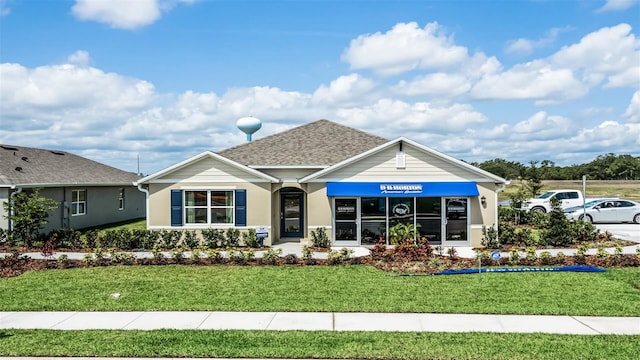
[{"x": 329, "y": 321}]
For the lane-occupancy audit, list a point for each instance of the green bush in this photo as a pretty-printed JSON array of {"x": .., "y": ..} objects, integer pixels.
[
  {"x": 233, "y": 237},
  {"x": 190, "y": 239},
  {"x": 339, "y": 256},
  {"x": 489, "y": 237},
  {"x": 271, "y": 256},
  {"x": 525, "y": 237},
  {"x": 506, "y": 233},
  {"x": 319, "y": 238},
  {"x": 213, "y": 238},
  {"x": 250, "y": 239}
]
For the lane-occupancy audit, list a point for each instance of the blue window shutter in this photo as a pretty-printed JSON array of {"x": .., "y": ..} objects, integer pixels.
[
  {"x": 241, "y": 207},
  {"x": 176, "y": 207}
]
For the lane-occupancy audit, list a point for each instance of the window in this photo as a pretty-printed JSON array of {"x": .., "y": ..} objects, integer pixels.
[
  {"x": 121, "y": 199},
  {"x": 78, "y": 202},
  {"x": 209, "y": 207}
]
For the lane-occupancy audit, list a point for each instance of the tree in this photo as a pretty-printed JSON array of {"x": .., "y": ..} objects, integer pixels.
[
  {"x": 28, "y": 212},
  {"x": 533, "y": 183}
]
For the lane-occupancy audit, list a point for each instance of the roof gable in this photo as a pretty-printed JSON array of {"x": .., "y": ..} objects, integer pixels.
[
  {"x": 188, "y": 169},
  {"x": 25, "y": 166},
  {"x": 457, "y": 168},
  {"x": 320, "y": 143}
]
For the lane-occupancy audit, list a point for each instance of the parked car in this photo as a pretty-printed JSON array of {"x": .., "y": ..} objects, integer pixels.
[
  {"x": 606, "y": 210},
  {"x": 542, "y": 203}
]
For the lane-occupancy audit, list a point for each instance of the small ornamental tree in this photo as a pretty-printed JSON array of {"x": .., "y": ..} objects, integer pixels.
[
  {"x": 556, "y": 232},
  {"x": 28, "y": 212}
]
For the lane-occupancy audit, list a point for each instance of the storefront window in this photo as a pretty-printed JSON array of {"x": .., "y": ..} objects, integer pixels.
[
  {"x": 429, "y": 218},
  {"x": 373, "y": 220},
  {"x": 346, "y": 216}
]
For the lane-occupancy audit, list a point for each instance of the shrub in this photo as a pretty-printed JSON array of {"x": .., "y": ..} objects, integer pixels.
[
  {"x": 237, "y": 256},
  {"x": 402, "y": 232},
  {"x": 561, "y": 258},
  {"x": 177, "y": 254},
  {"x": 215, "y": 255},
  {"x": 483, "y": 257},
  {"x": 249, "y": 255},
  {"x": 602, "y": 252},
  {"x": 190, "y": 239},
  {"x": 546, "y": 258},
  {"x": 90, "y": 239},
  {"x": 452, "y": 252},
  {"x": 271, "y": 256},
  {"x": 250, "y": 239},
  {"x": 143, "y": 239},
  {"x": 339, "y": 256},
  {"x": 156, "y": 252},
  {"x": 170, "y": 238},
  {"x": 290, "y": 259},
  {"x": 307, "y": 254},
  {"x": 525, "y": 237},
  {"x": 63, "y": 259},
  {"x": 555, "y": 231},
  {"x": 213, "y": 238},
  {"x": 531, "y": 254},
  {"x": 409, "y": 251},
  {"x": 319, "y": 238},
  {"x": 582, "y": 231},
  {"x": 506, "y": 233},
  {"x": 489, "y": 237},
  {"x": 233, "y": 237},
  {"x": 514, "y": 256}
]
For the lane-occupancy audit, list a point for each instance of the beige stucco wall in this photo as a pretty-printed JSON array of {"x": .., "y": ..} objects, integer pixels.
[
  {"x": 258, "y": 204},
  {"x": 4, "y": 197},
  {"x": 319, "y": 205}
]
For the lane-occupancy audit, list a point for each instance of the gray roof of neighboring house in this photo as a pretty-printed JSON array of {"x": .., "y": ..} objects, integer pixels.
[
  {"x": 21, "y": 165},
  {"x": 320, "y": 143}
]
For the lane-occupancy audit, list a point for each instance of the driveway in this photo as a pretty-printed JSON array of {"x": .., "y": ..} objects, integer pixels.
[{"x": 629, "y": 232}]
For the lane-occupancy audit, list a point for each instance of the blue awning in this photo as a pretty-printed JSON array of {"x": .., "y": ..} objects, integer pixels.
[{"x": 392, "y": 189}]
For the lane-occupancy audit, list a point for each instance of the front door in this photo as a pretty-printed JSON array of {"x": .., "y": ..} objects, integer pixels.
[
  {"x": 291, "y": 214},
  {"x": 456, "y": 221},
  {"x": 346, "y": 221}
]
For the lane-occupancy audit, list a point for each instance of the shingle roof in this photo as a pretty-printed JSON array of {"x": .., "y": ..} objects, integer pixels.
[
  {"x": 320, "y": 143},
  {"x": 31, "y": 166}
]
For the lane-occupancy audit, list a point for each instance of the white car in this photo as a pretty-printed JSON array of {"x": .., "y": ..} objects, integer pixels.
[{"x": 606, "y": 211}]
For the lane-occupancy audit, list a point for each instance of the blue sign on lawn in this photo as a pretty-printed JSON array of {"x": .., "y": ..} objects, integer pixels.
[{"x": 495, "y": 256}]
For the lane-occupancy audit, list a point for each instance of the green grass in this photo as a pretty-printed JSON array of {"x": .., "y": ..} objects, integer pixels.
[
  {"x": 320, "y": 288},
  {"x": 135, "y": 224},
  {"x": 315, "y": 344},
  {"x": 625, "y": 189}
]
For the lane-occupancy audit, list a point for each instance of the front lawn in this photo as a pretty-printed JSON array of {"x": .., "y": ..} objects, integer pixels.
[
  {"x": 316, "y": 344},
  {"x": 320, "y": 288}
]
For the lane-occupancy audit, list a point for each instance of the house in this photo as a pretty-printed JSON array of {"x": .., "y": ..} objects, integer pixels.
[
  {"x": 325, "y": 175},
  {"x": 89, "y": 193}
]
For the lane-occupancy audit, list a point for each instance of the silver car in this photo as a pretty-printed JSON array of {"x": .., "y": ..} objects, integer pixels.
[{"x": 606, "y": 211}]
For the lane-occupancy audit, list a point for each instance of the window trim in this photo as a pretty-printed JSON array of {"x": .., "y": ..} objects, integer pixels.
[
  {"x": 209, "y": 206},
  {"x": 78, "y": 202}
]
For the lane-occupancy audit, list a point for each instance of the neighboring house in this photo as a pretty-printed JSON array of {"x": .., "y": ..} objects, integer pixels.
[
  {"x": 353, "y": 184},
  {"x": 89, "y": 193}
]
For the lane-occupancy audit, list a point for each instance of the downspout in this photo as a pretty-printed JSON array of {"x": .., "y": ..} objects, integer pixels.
[
  {"x": 13, "y": 187},
  {"x": 504, "y": 185},
  {"x": 146, "y": 205}
]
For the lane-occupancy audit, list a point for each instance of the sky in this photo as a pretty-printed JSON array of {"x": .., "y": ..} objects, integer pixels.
[{"x": 144, "y": 84}]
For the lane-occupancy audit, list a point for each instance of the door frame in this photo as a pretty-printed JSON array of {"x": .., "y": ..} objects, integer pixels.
[
  {"x": 300, "y": 194},
  {"x": 445, "y": 220},
  {"x": 355, "y": 242}
]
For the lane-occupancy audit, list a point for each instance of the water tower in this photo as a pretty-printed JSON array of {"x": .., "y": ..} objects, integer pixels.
[{"x": 249, "y": 125}]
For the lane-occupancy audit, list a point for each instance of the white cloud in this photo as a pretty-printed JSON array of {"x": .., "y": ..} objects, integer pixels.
[
  {"x": 541, "y": 126},
  {"x": 345, "y": 89},
  {"x": 435, "y": 84},
  {"x": 616, "y": 5},
  {"x": 610, "y": 51},
  {"x": 404, "y": 48},
  {"x": 80, "y": 58},
  {"x": 527, "y": 46},
  {"x": 534, "y": 80},
  {"x": 393, "y": 118},
  {"x": 124, "y": 14},
  {"x": 633, "y": 110}
]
